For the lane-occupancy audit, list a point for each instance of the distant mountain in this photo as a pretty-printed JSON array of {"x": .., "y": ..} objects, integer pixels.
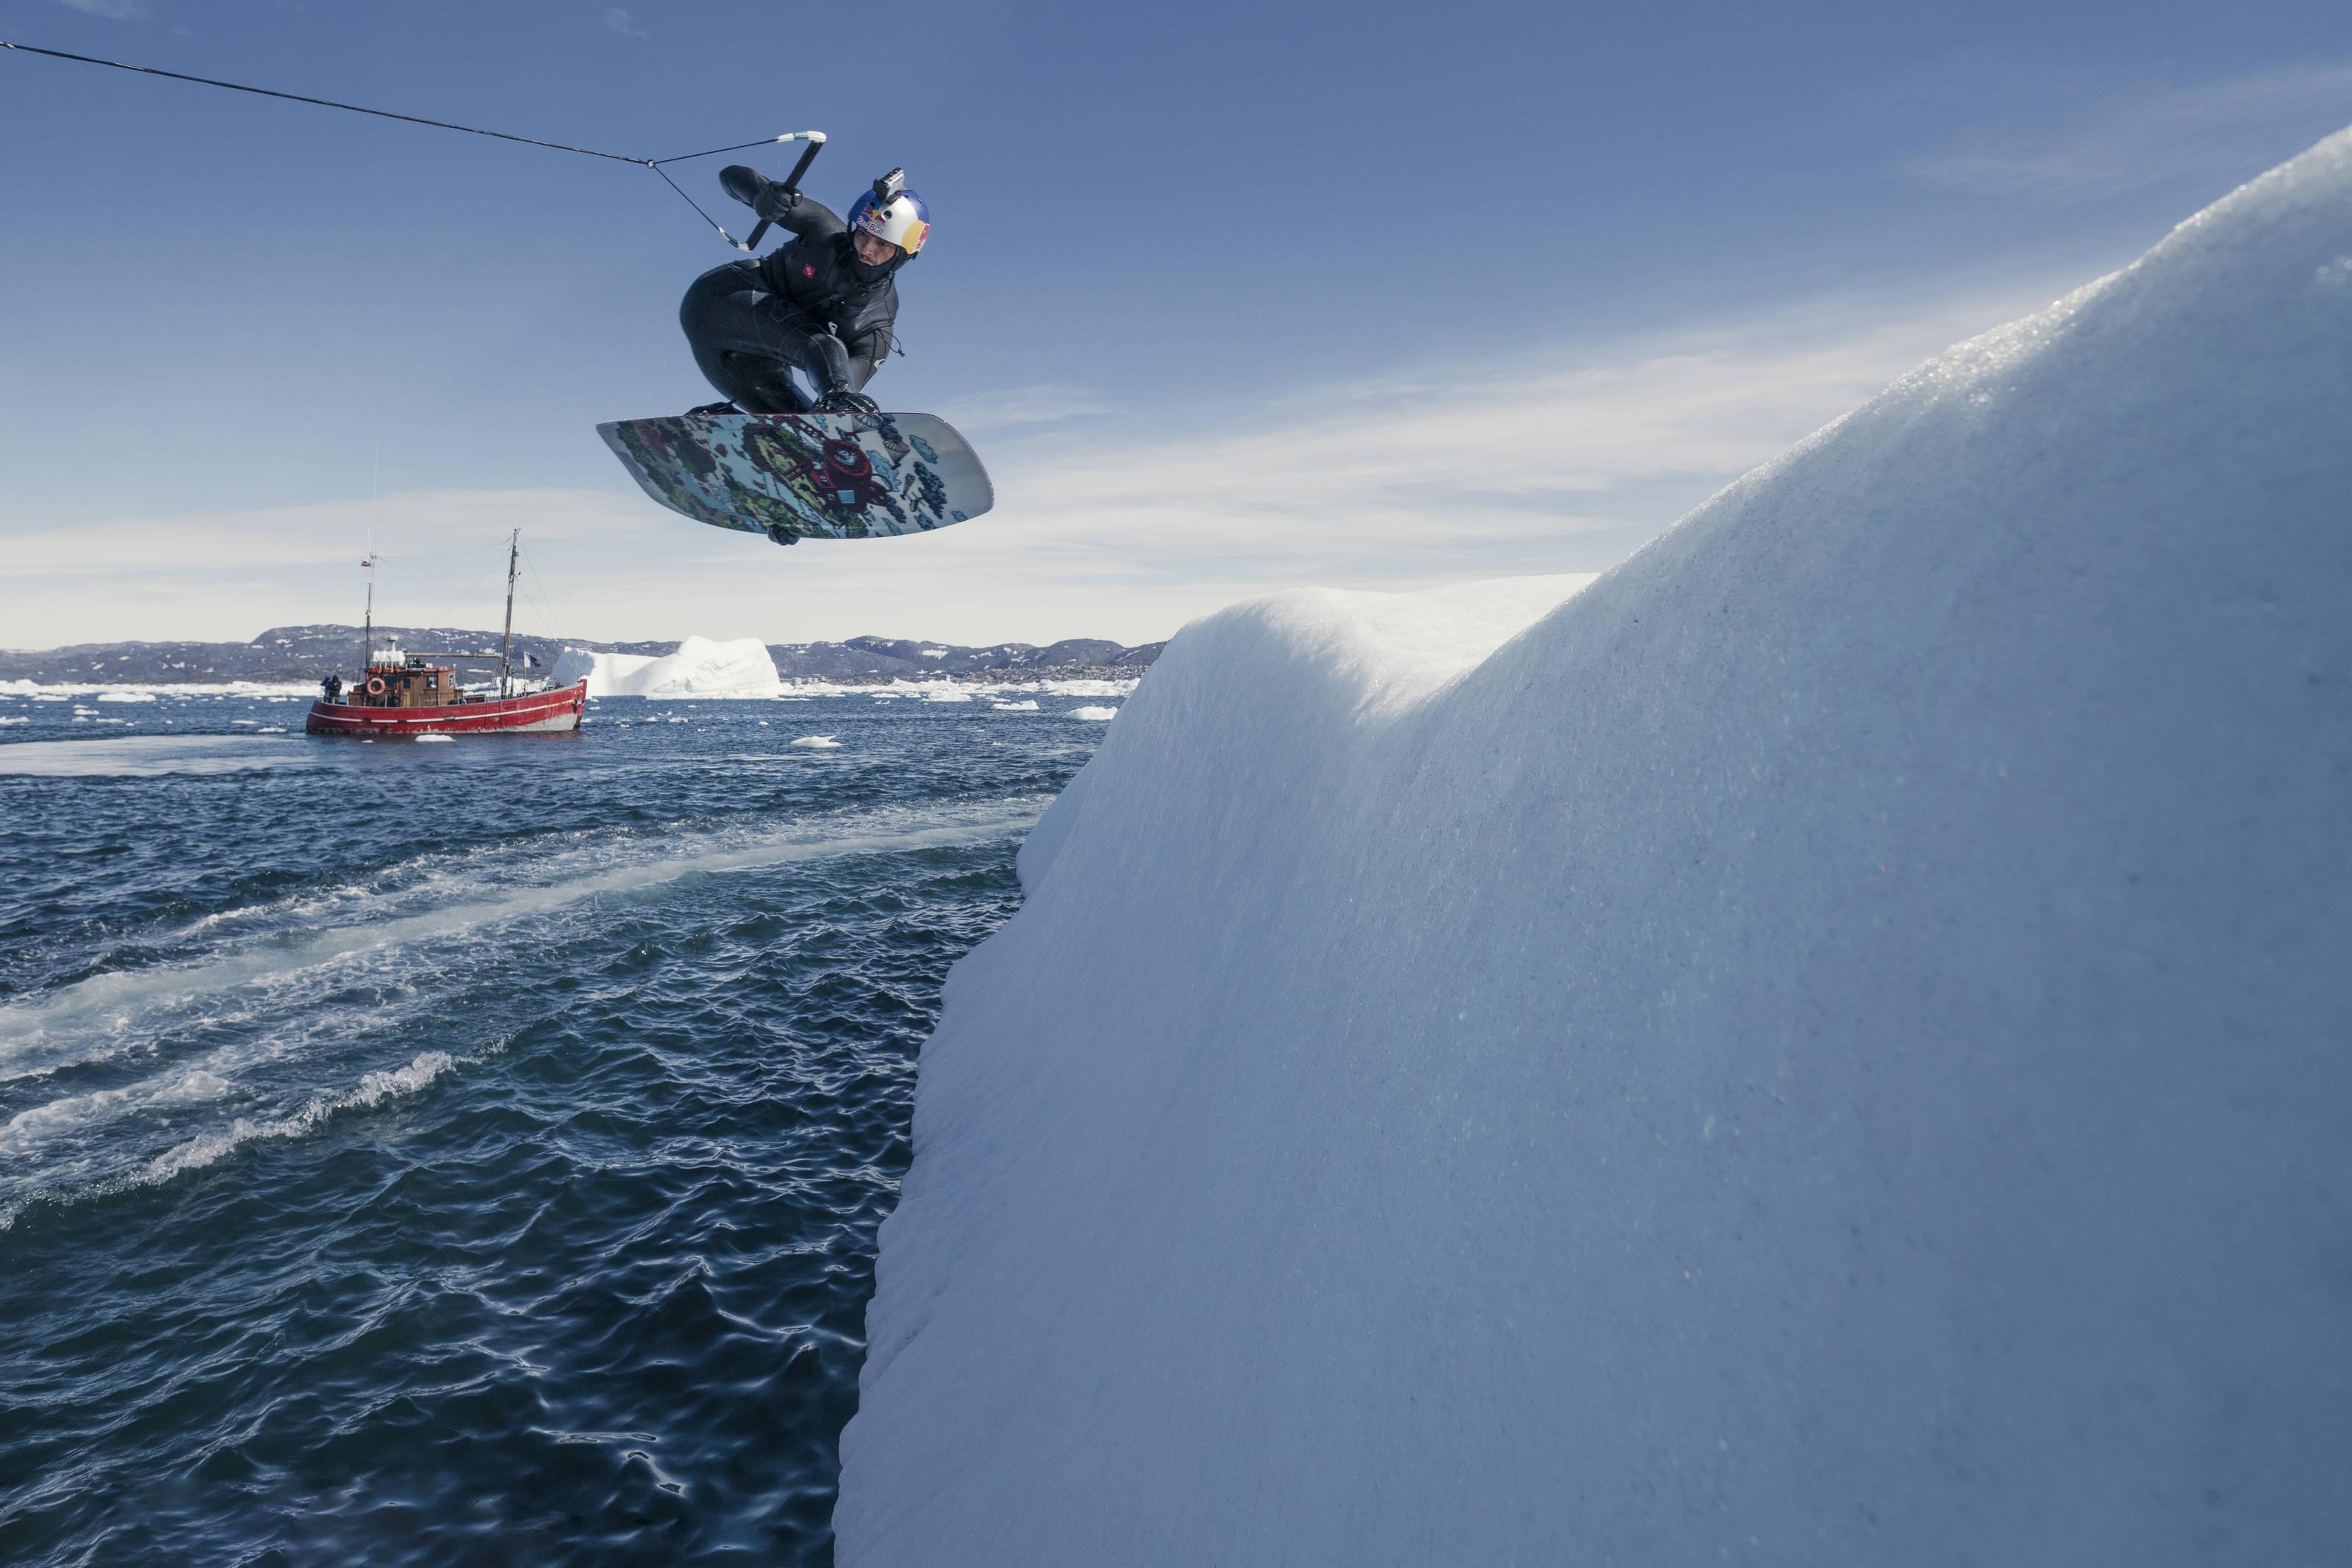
[
  {"x": 308, "y": 653},
  {"x": 889, "y": 658}
]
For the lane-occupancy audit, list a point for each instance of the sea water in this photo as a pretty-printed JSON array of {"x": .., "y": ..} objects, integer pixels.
[{"x": 468, "y": 1152}]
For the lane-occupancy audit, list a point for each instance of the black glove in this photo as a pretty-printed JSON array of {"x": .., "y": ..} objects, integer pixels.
[
  {"x": 767, "y": 197},
  {"x": 829, "y": 366},
  {"x": 741, "y": 182},
  {"x": 841, "y": 400}
]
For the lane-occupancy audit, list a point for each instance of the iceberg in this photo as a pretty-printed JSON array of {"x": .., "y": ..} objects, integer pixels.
[
  {"x": 699, "y": 667},
  {"x": 1826, "y": 1045}
]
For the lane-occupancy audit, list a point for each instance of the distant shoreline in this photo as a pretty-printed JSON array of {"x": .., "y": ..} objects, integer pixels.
[
  {"x": 916, "y": 690},
  {"x": 288, "y": 659}
]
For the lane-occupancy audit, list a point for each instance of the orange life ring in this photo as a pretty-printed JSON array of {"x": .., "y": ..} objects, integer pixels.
[{"x": 375, "y": 688}]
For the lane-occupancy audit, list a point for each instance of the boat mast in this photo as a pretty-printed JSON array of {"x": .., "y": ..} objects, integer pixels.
[
  {"x": 506, "y": 640},
  {"x": 367, "y": 625}
]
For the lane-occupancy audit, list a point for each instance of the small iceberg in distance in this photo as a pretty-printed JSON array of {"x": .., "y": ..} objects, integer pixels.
[
  {"x": 699, "y": 667},
  {"x": 1094, "y": 713},
  {"x": 818, "y": 742}
]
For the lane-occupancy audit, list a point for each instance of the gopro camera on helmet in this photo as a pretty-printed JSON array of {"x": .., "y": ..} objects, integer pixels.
[{"x": 893, "y": 212}]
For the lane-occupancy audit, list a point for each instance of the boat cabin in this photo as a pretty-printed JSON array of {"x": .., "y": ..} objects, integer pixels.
[{"x": 405, "y": 680}]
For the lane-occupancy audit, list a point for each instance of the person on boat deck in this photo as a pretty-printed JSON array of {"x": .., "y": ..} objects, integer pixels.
[
  {"x": 823, "y": 304},
  {"x": 332, "y": 688}
]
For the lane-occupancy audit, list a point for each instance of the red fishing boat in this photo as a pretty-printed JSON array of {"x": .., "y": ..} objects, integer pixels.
[{"x": 408, "y": 695}]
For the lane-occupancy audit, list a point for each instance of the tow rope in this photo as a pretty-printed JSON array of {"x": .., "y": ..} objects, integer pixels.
[{"x": 816, "y": 138}]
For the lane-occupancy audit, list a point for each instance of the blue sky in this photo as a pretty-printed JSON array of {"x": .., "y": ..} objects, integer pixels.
[{"x": 1231, "y": 296}]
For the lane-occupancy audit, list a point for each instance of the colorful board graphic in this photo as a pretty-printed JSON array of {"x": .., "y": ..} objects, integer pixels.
[{"x": 806, "y": 476}]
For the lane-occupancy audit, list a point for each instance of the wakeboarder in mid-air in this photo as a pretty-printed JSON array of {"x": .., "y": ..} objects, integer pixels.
[
  {"x": 823, "y": 304},
  {"x": 771, "y": 459},
  {"x": 823, "y": 462},
  {"x": 819, "y": 463}
]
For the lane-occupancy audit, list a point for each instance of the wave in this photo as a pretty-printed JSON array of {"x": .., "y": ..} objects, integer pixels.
[
  {"x": 28, "y": 1130},
  {"x": 205, "y": 1148}
]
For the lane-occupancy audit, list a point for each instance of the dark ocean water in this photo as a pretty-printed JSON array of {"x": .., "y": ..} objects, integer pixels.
[{"x": 467, "y": 1152}]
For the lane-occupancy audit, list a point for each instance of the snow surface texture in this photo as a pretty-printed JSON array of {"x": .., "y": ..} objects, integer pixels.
[
  {"x": 700, "y": 668},
  {"x": 1829, "y": 1047}
]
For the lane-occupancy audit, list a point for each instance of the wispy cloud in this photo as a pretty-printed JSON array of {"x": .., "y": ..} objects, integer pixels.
[
  {"x": 619, "y": 21},
  {"x": 2226, "y": 130},
  {"x": 1559, "y": 463},
  {"x": 215, "y": 575},
  {"x": 113, "y": 10},
  {"x": 1044, "y": 404}
]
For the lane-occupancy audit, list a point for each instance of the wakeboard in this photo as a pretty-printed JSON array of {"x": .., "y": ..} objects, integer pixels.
[{"x": 795, "y": 477}]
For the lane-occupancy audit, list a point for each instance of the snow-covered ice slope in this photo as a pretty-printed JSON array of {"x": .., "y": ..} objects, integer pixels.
[
  {"x": 1834, "y": 1045},
  {"x": 700, "y": 668}
]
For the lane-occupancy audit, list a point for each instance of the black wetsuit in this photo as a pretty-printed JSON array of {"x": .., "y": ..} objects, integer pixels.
[{"x": 809, "y": 305}]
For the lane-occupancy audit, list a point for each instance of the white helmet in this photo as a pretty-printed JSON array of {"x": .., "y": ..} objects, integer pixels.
[{"x": 891, "y": 211}]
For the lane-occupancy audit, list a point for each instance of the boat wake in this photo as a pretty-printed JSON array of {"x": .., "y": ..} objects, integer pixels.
[{"x": 278, "y": 1016}]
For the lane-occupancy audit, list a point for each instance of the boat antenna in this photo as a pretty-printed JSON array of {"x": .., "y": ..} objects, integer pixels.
[
  {"x": 367, "y": 624},
  {"x": 816, "y": 138},
  {"x": 506, "y": 640}
]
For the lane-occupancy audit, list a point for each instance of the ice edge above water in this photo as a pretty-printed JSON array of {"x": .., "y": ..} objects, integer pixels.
[{"x": 1825, "y": 1047}]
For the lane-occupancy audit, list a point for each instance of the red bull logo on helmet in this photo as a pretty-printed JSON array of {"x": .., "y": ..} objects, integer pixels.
[{"x": 903, "y": 222}]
